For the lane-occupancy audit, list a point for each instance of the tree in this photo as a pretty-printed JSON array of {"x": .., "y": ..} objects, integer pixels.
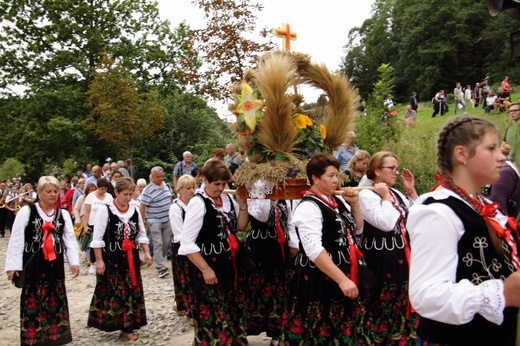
[
  {"x": 45, "y": 128},
  {"x": 371, "y": 45},
  {"x": 52, "y": 48},
  {"x": 189, "y": 125},
  {"x": 10, "y": 168},
  {"x": 224, "y": 44},
  {"x": 431, "y": 45},
  {"x": 121, "y": 115},
  {"x": 62, "y": 41},
  {"x": 380, "y": 129}
]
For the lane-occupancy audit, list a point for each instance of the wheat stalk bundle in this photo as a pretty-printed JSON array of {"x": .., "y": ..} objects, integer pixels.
[
  {"x": 341, "y": 110},
  {"x": 276, "y": 131}
]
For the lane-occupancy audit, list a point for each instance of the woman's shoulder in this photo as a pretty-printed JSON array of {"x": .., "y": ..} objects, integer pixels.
[{"x": 437, "y": 195}]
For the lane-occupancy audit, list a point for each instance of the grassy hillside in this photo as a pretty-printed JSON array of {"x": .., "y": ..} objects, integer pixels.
[{"x": 416, "y": 146}]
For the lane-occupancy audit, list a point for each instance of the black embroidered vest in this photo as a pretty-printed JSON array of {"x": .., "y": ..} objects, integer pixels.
[
  {"x": 213, "y": 243},
  {"x": 376, "y": 240},
  {"x": 114, "y": 234},
  {"x": 334, "y": 237},
  {"x": 212, "y": 238},
  {"x": 477, "y": 261},
  {"x": 266, "y": 229},
  {"x": 34, "y": 233},
  {"x": 39, "y": 268}
]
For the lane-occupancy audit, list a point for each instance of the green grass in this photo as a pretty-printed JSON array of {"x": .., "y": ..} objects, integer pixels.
[{"x": 416, "y": 147}]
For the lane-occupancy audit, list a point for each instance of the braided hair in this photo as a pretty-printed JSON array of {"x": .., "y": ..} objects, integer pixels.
[{"x": 467, "y": 132}]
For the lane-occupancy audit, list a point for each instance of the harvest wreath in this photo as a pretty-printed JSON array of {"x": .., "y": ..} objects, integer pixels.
[{"x": 277, "y": 135}]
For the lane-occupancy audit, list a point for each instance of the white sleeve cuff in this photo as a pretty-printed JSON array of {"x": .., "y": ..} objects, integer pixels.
[
  {"x": 493, "y": 301},
  {"x": 186, "y": 249},
  {"x": 97, "y": 244}
]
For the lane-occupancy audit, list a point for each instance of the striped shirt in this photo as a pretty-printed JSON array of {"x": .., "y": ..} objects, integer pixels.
[{"x": 157, "y": 201}]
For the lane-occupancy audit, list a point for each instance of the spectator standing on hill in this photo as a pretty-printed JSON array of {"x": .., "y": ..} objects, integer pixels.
[
  {"x": 413, "y": 101},
  {"x": 477, "y": 94},
  {"x": 502, "y": 102},
  {"x": 485, "y": 89},
  {"x": 511, "y": 143},
  {"x": 389, "y": 103},
  {"x": 506, "y": 87},
  {"x": 439, "y": 104},
  {"x": 468, "y": 96},
  {"x": 410, "y": 117},
  {"x": 490, "y": 102},
  {"x": 459, "y": 98}
]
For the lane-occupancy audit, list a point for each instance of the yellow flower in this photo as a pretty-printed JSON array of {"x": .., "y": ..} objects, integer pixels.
[
  {"x": 323, "y": 131},
  {"x": 302, "y": 121}
]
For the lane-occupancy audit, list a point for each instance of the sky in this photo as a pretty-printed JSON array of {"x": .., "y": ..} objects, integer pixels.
[{"x": 321, "y": 26}]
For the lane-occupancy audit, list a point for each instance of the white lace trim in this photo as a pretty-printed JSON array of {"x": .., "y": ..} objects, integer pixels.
[{"x": 261, "y": 188}]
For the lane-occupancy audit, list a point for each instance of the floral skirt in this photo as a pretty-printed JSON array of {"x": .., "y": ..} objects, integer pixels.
[
  {"x": 219, "y": 314},
  {"x": 336, "y": 322},
  {"x": 181, "y": 279},
  {"x": 266, "y": 296},
  {"x": 44, "y": 314},
  {"x": 394, "y": 323},
  {"x": 116, "y": 304}
]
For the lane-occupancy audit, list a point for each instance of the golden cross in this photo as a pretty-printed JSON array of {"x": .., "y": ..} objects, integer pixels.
[{"x": 286, "y": 34}]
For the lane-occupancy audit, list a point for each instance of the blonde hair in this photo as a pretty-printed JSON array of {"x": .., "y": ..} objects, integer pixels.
[
  {"x": 183, "y": 181},
  {"x": 47, "y": 179},
  {"x": 360, "y": 155}
]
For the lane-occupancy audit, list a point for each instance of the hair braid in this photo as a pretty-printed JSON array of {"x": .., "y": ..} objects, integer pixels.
[
  {"x": 447, "y": 139},
  {"x": 466, "y": 131}
]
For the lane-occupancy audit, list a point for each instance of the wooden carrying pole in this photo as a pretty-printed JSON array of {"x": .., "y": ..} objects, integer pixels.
[{"x": 288, "y": 194}]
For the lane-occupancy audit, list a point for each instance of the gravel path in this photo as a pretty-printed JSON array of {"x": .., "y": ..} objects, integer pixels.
[{"x": 164, "y": 326}]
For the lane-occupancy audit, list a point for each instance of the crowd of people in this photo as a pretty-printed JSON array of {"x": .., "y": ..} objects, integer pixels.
[
  {"x": 481, "y": 95},
  {"x": 368, "y": 265}
]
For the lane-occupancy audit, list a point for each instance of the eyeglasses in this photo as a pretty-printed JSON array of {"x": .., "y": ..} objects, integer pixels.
[{"x": 394, "y": 169}]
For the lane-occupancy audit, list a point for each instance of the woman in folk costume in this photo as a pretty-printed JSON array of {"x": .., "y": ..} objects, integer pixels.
[
  {"x": 273, "y": 243},
  {"x": 208, "y": 240},
  {"x": 181, "y": 268},
  {"x": 118, "y": 300},
  {"x": 464, "y": 279},
  {"x": 324, "y": 307},
  {"x": 386, "y": 247},
  {"x": 40, "y": 238}
]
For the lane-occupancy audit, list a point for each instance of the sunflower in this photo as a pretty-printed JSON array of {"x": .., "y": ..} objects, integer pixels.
[
  {"x": 302, "y": 121},
  {"x": 323, "y": 131}
]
